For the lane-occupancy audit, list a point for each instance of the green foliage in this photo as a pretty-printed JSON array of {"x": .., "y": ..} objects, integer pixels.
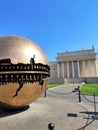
[
  {"x": 53, "y": 85},
  {"x": 89, "y": 89}
]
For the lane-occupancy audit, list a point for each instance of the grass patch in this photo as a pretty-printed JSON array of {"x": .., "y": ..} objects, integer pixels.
[
  {"x": 53, "y": 85},
  {"x": 89, "y": 89}
]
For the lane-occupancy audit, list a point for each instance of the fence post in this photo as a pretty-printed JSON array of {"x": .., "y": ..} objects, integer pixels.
[
  {"x": 45, "y": 93},
  {"x": 94, "y": 105},
  {"x": 79, "y": 94}
]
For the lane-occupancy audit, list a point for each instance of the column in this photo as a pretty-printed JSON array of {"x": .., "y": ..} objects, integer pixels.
[
  {"x": 83, "y": 68},
  {"x": 67, "y": 69},
  {"x": 63, "y": 69},
  {"x": 78, "y": 69},
  {"x": 73, "y": 69},
  {"x": 96, "y": 68},
  {"x": 89, "y": 67},
  {"x": 58, "y": 70}
]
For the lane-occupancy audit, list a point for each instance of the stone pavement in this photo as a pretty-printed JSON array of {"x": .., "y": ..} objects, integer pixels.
[{"x": 65, "y": 113}]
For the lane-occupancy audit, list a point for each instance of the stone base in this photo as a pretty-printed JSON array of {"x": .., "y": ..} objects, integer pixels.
[{"x": 74, "y": 80}]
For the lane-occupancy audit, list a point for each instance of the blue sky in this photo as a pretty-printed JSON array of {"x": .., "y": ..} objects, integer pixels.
[{"x": 55, "y": 25}]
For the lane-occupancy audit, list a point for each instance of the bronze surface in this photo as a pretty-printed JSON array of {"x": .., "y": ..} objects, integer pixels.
[
  {"x": 20, "y": 50},
  {"x": 28, "y": 94}
]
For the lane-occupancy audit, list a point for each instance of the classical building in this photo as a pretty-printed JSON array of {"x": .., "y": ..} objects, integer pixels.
[{"x": 75, "y": 64}]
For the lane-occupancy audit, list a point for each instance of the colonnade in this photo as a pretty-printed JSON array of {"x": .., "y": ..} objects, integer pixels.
[{"x": 73, "y": 69}]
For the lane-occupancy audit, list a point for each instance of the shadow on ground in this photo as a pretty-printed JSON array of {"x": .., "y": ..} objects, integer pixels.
[
  {"x": 5, "y": 112},
  {"x": 90, "y": 113},
  {"x": 91, "y": 117}
]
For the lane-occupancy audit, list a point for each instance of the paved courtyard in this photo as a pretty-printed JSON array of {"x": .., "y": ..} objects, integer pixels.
[{"x": 60, "y": 106}]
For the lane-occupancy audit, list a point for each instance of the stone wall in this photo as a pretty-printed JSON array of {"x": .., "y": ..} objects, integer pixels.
[
  {"x": 92, "y": 80},
  {"x": 74, "y": 80},
  {"x": 56, "y": 80}
]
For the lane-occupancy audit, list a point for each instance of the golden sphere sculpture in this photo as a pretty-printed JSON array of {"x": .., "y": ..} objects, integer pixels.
[{"x": 24, "y": 72}]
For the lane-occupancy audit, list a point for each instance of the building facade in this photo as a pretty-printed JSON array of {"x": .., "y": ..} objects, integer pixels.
[{"x": 75, "y": 64}]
